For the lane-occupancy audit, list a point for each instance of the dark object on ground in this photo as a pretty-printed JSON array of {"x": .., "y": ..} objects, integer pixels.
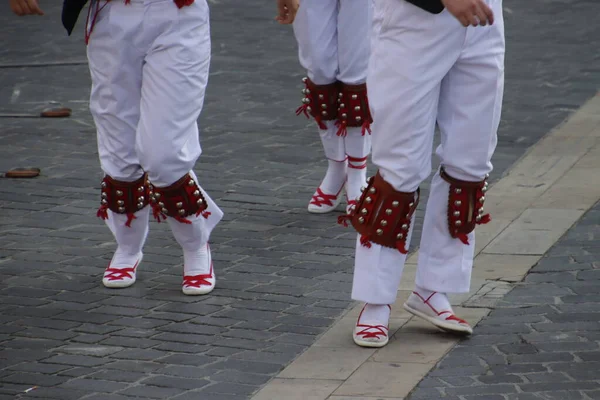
[
  {"x": 22, "y": 172},
  {"x": 55, "y": 112}
]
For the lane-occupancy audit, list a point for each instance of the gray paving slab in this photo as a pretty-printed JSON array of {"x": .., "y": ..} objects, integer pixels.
[
  {"x": 284, "y": 275},
  {"x": 549, "y": 351}
]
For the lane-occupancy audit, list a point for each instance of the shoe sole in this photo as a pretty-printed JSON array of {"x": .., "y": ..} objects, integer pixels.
[
  {"x": 189, "y": 292},
  {"x": 118, "y": 284},
  {"x": 364, "y": 343},
  {"x": 447, "y": 327}
]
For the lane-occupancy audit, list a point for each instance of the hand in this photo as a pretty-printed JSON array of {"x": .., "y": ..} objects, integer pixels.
[
  {"x": 25, "y": 7},
  {"x": 287, "y": 10},
  {"x": 470, "y": 12}
]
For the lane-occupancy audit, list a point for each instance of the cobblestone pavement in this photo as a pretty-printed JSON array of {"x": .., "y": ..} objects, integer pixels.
[
  {"x": 283, "y": 274},
  {"x": 542, "y": 341}
]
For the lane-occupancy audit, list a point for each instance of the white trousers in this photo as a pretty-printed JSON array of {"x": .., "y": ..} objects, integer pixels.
[
  {"x": 149, "y": 64},
  {"x": 426, "y": 68},
  {"x": 334, "y": 43}
]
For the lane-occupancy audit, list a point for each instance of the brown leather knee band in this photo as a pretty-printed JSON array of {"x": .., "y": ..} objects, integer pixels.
[
  {"x": 353, "y": 108},
  {"x": 123, "y": 197},
  {"x": 320, "y": 101},
  {"x": 383, "y": 215},
  {"x": 465, "y": 206},
  {"x": 179, "y": 200}
]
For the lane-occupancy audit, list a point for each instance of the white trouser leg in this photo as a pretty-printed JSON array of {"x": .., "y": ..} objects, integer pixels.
[
  {"x": 175, "y": 76},
  {"x": 116, "y": 72},
  {"x": 412, "y": 51},
  {"x": 315, "y": 28},
  {"x": 468, "y": 117},
  {"x": 377, "y": 272},
  {"x": 353, "y": 40},
  {"x": 354, "y": 33}
]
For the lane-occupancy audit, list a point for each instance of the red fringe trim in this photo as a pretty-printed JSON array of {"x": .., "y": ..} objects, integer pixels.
[
  {"x": 463, "y": 238},
  {"x": 342, "y": 129},
  {"x": 401, "y": 246},
  {"x": 366, "y": 127},
  {"x": 130, "y": 217},
  {"x": 343, "y": 220},
  {"x": 183, "y": 220},
  {"x": 157, "y": 213},
  {"x": 485, "y": 219},
  {"x": 364, "y": 240},
  {"x": 302, "y": 110},
  {"x": 102, "y": 212}
]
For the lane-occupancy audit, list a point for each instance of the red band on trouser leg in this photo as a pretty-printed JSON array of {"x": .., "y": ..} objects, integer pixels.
[
  {"x": 357, "y": 163},
  {"x": 123, "y": 197},
  {"x": 320, "y": 101},
  {"x": 465, "y": 206},
  {"x": 353, "y": 109},
  {"x": 180, "y": 200},
  {"x": 383, "y": 215}
]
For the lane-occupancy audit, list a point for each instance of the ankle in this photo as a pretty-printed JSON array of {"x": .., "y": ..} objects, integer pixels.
[
  {"x": 437, "y": 300},
  {"x": 379, "y": 313}
]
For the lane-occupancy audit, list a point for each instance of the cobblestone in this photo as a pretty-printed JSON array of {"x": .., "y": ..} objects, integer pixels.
[{"x": 557, "y": 358}]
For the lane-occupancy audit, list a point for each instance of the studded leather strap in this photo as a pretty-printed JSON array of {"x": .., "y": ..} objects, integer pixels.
[
  {"x": 465, "y": 206},
  {"x": 353, "y": 109},
  {"x": 180, "y": 200},
  {"x": 383, "y": 215},
  {"x": 320, "y": 101},
  {"x": 123, "y": 197}
]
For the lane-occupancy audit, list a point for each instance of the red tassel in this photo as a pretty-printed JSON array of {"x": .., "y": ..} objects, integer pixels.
[
  {"x": 321, "y": 124},
  {"x": 158, "y": 214},
  {"x": 364, "y": 240},
  {"x": 130, "y": 217},
  {"x": 302, "y": 110},
  {"x": 342, "y": 130},
  {"x": 485, "y": 219},
  {"x": 401, "y": 246},
  {"x": 102, "y": 212},
  {"x": 127, "y": 1},
  {"x": 343, "y": 220},
  {"x": 366, "y": 127},
  {"x": 463, "y": 238},
  {"x": 183, "y": 220},
  {"x": 206, "y": 214}
]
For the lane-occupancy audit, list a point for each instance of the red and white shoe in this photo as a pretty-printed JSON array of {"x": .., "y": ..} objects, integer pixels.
[
  {"x": 322, "y": 203},
  {"x": 196, "y": 285},
  {"x": 445, "y": 319},
  {"x": 370, "y": 333},
  {"x": 121, "y": 277}
]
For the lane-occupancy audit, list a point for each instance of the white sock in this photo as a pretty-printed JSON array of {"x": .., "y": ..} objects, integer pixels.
[
  {"x": 437, "y": 300},
  {"x": 130, "y": 240},
  {"x": 196, "y": 262},
  {"x": 375, "y": 314},
  {"x": 334, "y": 177},
  {"x": 357, "y": 176}
]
